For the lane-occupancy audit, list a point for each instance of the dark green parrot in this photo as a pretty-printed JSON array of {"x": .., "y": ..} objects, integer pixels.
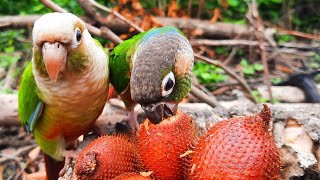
[{"x": 153, "y": 69}]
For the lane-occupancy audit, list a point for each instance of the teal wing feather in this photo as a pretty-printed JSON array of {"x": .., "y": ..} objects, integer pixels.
[{"x": 29, "y": 104}]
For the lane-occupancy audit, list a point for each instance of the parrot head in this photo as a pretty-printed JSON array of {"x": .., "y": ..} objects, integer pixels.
[
  {"x": 56, "y": 37},
  {"x": 161, "y": 72}
]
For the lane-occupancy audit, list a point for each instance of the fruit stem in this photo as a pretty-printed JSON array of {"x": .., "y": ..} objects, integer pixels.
[{"x": 265, "y": 114}]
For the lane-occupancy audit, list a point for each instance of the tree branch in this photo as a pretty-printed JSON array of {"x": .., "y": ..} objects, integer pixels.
[
  {"x": 118, "y": 15},
  {"x": 227, "y": 42},
  {"x": 203, "y": 97},
  {"x": 106, "y": 33},
  {"x": 255, "y": 19},
  {"x": 18, "y": 21}
]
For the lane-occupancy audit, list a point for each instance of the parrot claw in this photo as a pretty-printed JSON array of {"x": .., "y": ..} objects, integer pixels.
[
  {"x": 132, "y": 121},
  {"x": 68, "y": 156}
]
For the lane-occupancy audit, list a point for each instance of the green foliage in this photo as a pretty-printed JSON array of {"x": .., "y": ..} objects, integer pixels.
[
  {"x": 250, "y": 69},
  {"x": 260, "y": 99},
  {"x": 276, "y": 80},
  {"x": 10, "y": 42},
  {"x": 284, "y": 38},
  {"x": 10, "y": 7},
  {"x": 5, "y": 90},
  {"x": 208, "y": 73},
  {"x": 315, "y": 61},
  {"x": 221, "y": 50},
  {"x": 7, "y": 60}
]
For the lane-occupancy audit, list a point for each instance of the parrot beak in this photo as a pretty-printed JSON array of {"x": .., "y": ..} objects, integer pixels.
[
  {"x": 54, "y": 57},
  {"x": 156, "y": 112}
]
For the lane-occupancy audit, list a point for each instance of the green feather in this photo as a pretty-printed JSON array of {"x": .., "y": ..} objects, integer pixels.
[
  {"x": 120, "y": 63},
  {"x": 28, "y": 98}
]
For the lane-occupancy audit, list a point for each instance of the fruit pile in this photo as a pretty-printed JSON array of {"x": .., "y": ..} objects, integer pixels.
[{"x": 237, "y": 148}]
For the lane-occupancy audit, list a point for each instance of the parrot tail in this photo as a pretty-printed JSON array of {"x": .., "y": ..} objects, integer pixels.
[{"x": 53, "y": 167}]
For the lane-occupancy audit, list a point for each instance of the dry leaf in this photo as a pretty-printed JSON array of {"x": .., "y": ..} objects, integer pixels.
[
  {"x": 284, "y": 69},
  {"x": 216, "y": 15},
  {"x": 172, "y": 9},
  {"x": 124, "y": 36},
  {"x": 158, "y": 12},
  {"x": 122, "y": 2},
  {"x": 137, "y": 7},
  {"x": 224, "y": 4}
]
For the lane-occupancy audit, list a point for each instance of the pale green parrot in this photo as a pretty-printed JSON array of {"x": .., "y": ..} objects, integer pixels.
[{"x": 64, "y": 89}]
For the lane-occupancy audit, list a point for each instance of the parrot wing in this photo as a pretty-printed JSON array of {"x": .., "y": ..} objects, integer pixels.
[
  {"x": 30, "y": 105},
  {"x": 120, "y": 62}
]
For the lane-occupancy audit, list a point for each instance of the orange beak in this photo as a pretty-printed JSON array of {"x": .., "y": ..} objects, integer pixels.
[{"x": 54, "y": 57}]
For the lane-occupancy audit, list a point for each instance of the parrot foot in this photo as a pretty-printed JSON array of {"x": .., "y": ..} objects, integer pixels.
[
  {"x": 132, "y": 120},
  {"x": 68, "y": 156}
]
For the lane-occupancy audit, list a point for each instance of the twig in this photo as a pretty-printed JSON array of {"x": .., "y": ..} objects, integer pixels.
[
  {"x": 118, "y": 15},
  {"x": 292, "y": 32},
  {"x": 255, "y": 19},
  {"x": 231, "y": 56},
  {"x": 107, "y": 34},
  {"x": 233, "y": 42},
  {"x": 53, "y": 6},
  {"x": 203, "y": 97},
  {"x": 235, "y": 83},
  {"x": 290, "y": 48},
  {"x": 242, "y": 83}
]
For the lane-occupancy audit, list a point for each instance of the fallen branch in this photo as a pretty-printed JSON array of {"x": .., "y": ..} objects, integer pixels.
[
  {"x": 204, "y": 27},
  {"x": 9, "y": 110},
  {"x": 283, "y": 47},
  {"x": 203, "y": 97},
  {"x": 292, "y": 32},
  {"x": 227, "y": 42}
]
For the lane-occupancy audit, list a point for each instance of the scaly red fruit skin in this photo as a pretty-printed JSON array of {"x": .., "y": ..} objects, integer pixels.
[
  {"x": 237, "y": 148},
  {"x": 161, "y": 146},
  {"x": 131, "y": 176},
  {"x": 107, "y": 157}
]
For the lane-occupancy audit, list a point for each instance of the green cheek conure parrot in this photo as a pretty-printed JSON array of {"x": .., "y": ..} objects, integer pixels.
[
  {"x": 153, "y": 69},
  {"x": 64, "y": 89}
]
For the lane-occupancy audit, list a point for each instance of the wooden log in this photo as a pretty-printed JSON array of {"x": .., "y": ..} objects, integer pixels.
[{"x": 295, "y": 126}]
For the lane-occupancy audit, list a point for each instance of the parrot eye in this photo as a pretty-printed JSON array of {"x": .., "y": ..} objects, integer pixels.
[
  {"x": 78, "y": 35},
  {"x": 76, "y": 39},
  {"x": 168, "y": 83}
]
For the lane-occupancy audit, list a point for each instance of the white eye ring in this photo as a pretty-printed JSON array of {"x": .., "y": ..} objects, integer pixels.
[
  {"x": 167, "y": 85},
  {"x": 75, "y": 42}
]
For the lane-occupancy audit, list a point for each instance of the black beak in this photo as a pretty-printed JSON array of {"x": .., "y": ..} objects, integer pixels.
[{"x": 156, "y": 112}]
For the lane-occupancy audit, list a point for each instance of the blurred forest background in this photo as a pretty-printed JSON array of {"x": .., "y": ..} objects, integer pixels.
[
  {"x": 291, "y": 42},
  {"x": 250, "y": 51}
]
